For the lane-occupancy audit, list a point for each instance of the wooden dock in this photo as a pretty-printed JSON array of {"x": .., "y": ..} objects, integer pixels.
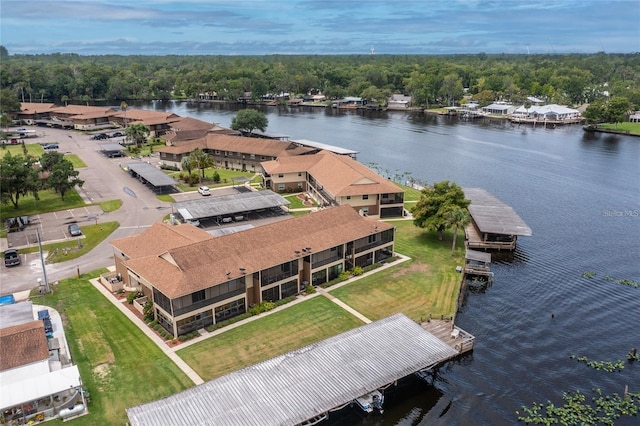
[{"x": 450, "y": 334}]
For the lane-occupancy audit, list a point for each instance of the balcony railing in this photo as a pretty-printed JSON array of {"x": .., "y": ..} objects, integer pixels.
[{"x": 206, "y": 302}]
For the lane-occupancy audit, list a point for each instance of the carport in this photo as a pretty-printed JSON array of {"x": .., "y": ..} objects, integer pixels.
[
  {"x": 112, "y": 149},
  {"x": 151, "y": 176},
  {"x": 234, "y": 207}
]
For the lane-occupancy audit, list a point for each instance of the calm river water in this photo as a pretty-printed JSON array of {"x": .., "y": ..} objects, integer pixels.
[{"x": 579, "y": 193}]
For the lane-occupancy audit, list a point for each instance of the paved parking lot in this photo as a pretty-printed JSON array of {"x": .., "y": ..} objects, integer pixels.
[{"x": 53, "y": 226}]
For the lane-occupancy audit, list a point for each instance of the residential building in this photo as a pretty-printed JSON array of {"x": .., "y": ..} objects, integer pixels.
[
  {"x": 498, "y": 108},
  {"x": 551, "y": 113},
  {"x": 84, "y": 117},
  {"x": 38, "y": 380},
  {"x": 334, "y": 180},
  {"x": 195, "y": 280},
  {"x": 398, "y": 102},
  {"x": 158, "y": 122},
  {"x": 32, "y": 111},
  {"x": 232, "y": 152}
]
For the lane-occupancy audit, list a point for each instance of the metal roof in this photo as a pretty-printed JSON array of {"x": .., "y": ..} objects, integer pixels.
[
  {"x": 492, "y": 216},
  {"x": 16, "y": 314},
  {"x": 299, "y": 385},
  {"x": 320, "y": 145},
  {"x": 152, "y": 175},
  {"x": 111, "y": 146},
  {"x": 225, "y": 205}
]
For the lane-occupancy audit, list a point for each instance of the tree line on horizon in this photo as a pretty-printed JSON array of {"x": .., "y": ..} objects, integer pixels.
[{"x": 443, "y": 80}]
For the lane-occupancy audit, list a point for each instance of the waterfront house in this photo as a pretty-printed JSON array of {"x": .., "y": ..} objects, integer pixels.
[
  {"x": 195, "y": 280},
  {"x": 158, "y": 122},
  {"x": 635, "y": 117},
  {"x": 556, "y": 114},
  {"x": 332, "y": 180},
  {"x": 498, "y": 108},
  {"x": 398, "y": 102}
]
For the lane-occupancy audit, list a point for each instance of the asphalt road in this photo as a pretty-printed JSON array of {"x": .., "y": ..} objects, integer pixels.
[{"x": 104, "y": 180}]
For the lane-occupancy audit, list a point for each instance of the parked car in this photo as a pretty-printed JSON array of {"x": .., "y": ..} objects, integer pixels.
[
  {"x": 116, "y": 134},
  {"x": 194, "y": 222},
  {"x": 51, "y": 146},
  {"x": 11, "y": 257},
  {"x": 74, "y": 230},
  {"x": 204, "y": 190}
]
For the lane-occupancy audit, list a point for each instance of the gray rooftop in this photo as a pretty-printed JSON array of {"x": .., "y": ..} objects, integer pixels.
[
  {"x": 152, "y": 175},
  {"x": 16, "y": 314},
  {"x": 299, "y": 385},
  {"x": 225, "y": 205},
  {"x": 111, "y": 146},
  {"x": 492, "y": 216},
  {"x": 320, "y": 145}
]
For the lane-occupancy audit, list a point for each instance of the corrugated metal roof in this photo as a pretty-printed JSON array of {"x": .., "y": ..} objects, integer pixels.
[
  {"x": 152, "y": 175},
  {"x": 231, "y": 204},
  {"x": 492, "y": 216},
  {"x": 320, "y": 145},
  {"x": 301, "y": 384}
]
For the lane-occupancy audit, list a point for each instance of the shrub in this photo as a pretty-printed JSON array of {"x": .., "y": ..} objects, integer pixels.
[
  {"x": 309, "y": 289},
  {"x": 147, "y": 311},
  {"x": 357, "y": 270},
  {"x": 133, "y": 296},
  {"x": 262, "y": 307},
  {"x": 169, "y": 167},
  {"x": 216, "y": 177},
  {"x": 344, "y": 275}
]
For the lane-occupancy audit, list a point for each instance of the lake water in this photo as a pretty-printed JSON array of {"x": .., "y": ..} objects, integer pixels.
[{"x": 579, "y": 192}]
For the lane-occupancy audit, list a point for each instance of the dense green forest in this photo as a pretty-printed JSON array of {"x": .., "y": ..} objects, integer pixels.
[{"x": 566, "y": 79}]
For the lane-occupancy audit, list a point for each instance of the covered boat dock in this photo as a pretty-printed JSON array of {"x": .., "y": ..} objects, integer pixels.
[
  {"x": 305, "y": 385},
  {"x": 494, "y": 225}
]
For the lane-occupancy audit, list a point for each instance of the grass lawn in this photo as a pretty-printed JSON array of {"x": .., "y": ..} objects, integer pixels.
[
  {"x": 119, "y": 365},
  {"x": 33, "y": 149},
  {"x": 299, "y": 325},
  {"x": 75, "y": 160},
  {"x": 111, "y": 205},
  {"x": 49, "y": 202},
  {"x": 296, "y": 203},
  {"x": 226, "y": 177},
  {"x": 622, "y": 127},
  {"x": 427, "y": 284},
  {"x": 68, "y": 250},
  {"x": 166, "y": 197}
]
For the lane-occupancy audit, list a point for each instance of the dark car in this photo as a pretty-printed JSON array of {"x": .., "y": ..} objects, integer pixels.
[
  {"x": 117, "y": 134},
  {"x": 11, "y": 258},
  {"x": 74, "y": 230},
  {"x": 51, "y": 146}
]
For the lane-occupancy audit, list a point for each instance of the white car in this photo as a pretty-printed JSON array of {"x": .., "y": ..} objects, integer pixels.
[{"x": 204, "y": 190}]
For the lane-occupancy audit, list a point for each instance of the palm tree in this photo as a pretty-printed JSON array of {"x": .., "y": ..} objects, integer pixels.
[
  {"x": 187, "y": 164},
  {"x": 458, "y": 218},
  {"x": 138, "y": 132},
  {"x": 201, "y": 160}
]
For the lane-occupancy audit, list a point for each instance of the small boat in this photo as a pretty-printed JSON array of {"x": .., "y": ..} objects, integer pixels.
[{"x": 372, "y": 400}]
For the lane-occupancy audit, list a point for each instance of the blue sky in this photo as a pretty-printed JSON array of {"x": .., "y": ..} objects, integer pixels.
[{"x": 261, "y": 27}]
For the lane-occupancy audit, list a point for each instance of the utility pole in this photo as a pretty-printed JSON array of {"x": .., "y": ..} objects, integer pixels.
[{"x": 44, "y": 268}]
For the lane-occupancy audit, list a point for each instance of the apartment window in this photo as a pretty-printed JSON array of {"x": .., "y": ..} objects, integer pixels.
[
  {"x": 175, "y": 156},
  {"x": 280, "y": 175},
  {"x": 263, "y": 158},
  {"x": 299, "y": 185},
  {"x": 252, "y": 156},
  {"x": 217, "y": 152},
  {"x": 365, "y": 197},
  {"x": 281, "y": 187},
  {"x": 348, "y": 197},
  {"x": 299, "y": 173},
  {"x": 197, "y": 296}
]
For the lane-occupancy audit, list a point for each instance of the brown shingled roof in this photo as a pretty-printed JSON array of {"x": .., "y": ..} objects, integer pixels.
[
  {"x": 35, "y": 107},
  {"x": 340, "y": 175},
  {"x": 183, "y": 270},
  {"x": 159, "y": 238},
  {"x": 23, "y": 344},
  {"x": 83, "y": 109}
]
